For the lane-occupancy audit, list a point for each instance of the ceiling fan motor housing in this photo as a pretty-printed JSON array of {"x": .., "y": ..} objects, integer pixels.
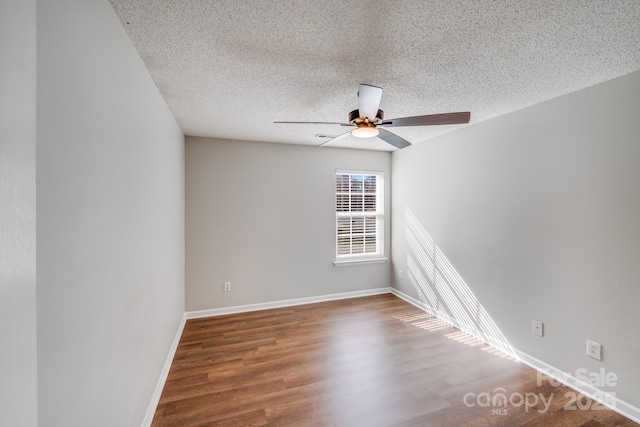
[{"x": 354, "y": 117}]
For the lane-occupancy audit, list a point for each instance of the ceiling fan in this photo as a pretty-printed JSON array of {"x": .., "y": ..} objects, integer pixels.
[{"x": 369, "y": 121}]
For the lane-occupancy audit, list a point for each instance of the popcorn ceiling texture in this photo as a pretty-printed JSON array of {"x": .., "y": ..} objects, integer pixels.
[{"x": 229, "y": 68}]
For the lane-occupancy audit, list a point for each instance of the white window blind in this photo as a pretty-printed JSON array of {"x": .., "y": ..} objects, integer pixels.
[{"x": 359, "y": 214}]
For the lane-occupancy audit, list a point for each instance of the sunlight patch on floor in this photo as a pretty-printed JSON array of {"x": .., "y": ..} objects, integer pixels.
[{"x": 424, "y": 320}]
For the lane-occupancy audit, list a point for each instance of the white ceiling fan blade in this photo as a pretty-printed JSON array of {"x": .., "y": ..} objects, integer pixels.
[
  {"x": 369, "y": 98},
  {"x": 335, "y": 138}
]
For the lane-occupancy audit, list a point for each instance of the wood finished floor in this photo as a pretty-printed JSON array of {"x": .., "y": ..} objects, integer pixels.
[{"x": 373, "y": 361}]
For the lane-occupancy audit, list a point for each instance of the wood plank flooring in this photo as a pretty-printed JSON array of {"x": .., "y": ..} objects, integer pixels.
[{"x": 373, "y": 361}]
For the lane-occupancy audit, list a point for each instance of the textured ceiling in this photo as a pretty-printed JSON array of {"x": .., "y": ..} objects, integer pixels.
[{"x": 230, "y": 68}]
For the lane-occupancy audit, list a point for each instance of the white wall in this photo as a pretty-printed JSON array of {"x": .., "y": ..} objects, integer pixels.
[
  {"x": 18, "y": 379},
  {"x": 262, "y": 217},
  {"x": 110, "y": 220},
  {"x": 539, "y": 212}
]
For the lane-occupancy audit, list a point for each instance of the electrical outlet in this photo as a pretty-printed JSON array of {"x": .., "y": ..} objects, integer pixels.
[
  {"x": 401, "y": 275},
  {"x": 594, "y": 350},
  {"x": 537, "y": 327},
  {"x": 227, "y": 286}
]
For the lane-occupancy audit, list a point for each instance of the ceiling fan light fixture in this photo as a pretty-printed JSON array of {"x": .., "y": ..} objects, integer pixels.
[{"x": 365, "y": 131}]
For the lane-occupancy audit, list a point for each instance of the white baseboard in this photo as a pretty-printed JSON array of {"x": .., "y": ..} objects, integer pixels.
[
  {"x": 423, "y": 306},
  {"x": 157, "y": 392},
  {"x": 285, "y": 303},
  {"x": 588, "y": 390},
  {"x": 612, "y": 402},
  {"x": 410, "y": 300}
]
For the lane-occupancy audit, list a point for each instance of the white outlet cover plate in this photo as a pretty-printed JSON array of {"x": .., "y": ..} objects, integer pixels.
[
  {"x": 594, "y": 350},
  {"x": 537, "y": 327}
]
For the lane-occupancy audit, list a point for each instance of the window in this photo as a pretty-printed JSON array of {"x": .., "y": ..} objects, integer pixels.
[{"x": 359, "y": 215}]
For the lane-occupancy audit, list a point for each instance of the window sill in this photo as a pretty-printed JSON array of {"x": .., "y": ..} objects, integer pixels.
[{"x": 358, "y": 261}]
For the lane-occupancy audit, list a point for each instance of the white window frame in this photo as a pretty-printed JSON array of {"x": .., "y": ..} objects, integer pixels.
[{"x": 344, "y": 230}]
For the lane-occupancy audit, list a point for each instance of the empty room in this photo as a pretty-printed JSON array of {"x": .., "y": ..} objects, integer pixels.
[{"x": 409, "y": 213}]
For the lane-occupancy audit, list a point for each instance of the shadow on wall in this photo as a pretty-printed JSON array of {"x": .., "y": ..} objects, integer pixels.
[{"x": 441, "y": 290}]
